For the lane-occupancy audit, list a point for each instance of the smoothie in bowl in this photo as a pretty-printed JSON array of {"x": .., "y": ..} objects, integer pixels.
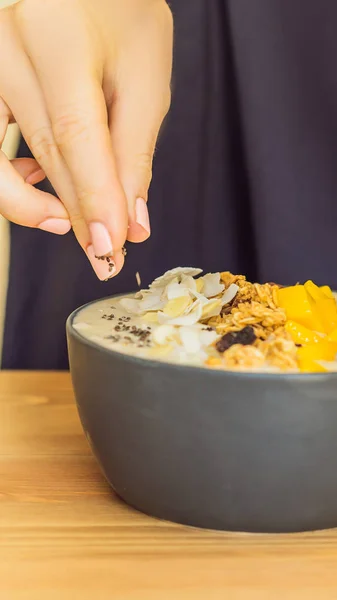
[{"x": 220, "y": 321}]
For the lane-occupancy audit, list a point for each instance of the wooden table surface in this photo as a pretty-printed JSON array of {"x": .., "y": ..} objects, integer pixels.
[{"x": 63, "y": 533}]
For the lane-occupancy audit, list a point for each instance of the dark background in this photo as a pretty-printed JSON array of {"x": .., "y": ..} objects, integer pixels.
[{"x": 245, "y": 175}]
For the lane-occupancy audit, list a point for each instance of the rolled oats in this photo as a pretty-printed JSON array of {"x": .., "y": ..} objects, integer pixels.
[{"x": 255, "y": 305}]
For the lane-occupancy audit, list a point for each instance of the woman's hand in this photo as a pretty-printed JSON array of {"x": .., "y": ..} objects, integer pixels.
[{"x": 88, "y": 82}]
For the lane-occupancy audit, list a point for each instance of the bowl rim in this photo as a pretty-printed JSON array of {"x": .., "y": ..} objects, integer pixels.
[{"x": 177, "y": 367}]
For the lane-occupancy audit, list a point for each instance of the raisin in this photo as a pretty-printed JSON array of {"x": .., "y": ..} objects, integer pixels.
[
  {"x": 245, "y": 336},
  {"x": 227, "y": 309}
]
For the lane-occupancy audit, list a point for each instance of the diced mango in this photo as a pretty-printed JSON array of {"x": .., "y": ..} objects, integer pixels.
[
  {"x": 332, "y": 337},
  {"x": 323, "y": 350},
  {"x": 302, "y": 335},
  {"x": 311, "y": 366},
  {"x": 328, "y": 310},
  {"x": 300, "y": 307},
  {"x": 327, "y": 291},
  {"x": 309, "y": 355},
  {"x": 325, "y": 305},
  {"x": 315, "y": 292}
]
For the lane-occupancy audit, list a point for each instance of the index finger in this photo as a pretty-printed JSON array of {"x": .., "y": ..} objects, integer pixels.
[{"x": 68, "y": 74}]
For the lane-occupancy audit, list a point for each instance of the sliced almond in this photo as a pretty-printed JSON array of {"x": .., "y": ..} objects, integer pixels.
[
  {"x": 229, "y": 294},
  {"x": 190, "y": 339},
  {"x": 177, "y": 306},
  {"x": 211, "y": 309},
  {"x": 139, "y": 307},
  {"x": 175, "y": 290},
  {"x": 131, "y": 305},
  {"x": 178, "y": 272},
  {"x": 191, "y": 317},
  {"x": 212, "y": 285},
  {"x": 151, "y": 302},
  {"x": 162, "y": 334},
  {"x": 208, "y": 337},
  {"x": 199, "y": 284},
  {"x": 189, "y": 282}
]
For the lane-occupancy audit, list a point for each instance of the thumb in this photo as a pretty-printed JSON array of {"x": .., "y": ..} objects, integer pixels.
[
  {"x": 29, "y": 169},
  {"x": 21, "y": 203}
]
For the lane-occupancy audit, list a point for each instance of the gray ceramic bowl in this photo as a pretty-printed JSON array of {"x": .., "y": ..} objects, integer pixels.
[{"x": 240, "y": 452}]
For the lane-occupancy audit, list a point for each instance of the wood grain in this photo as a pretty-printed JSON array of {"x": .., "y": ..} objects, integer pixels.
[{"x": 63, "y": 533}]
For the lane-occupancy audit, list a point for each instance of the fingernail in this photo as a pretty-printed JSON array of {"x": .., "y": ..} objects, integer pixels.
[
  {"x": 104, "y": 267},
  {"x": 58, "y": 226},
  {"x": 100, "y": 239},
  {"x": 35, "y": 177},
  {"x": 142, "y": 215}
]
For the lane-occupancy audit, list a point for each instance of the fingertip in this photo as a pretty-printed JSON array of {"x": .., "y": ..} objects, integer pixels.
[
  {"x": 35, "y": 177},
  {"x": 136, "y": 234},
  {"x": 56, "y": 226},
  {"x": 139, "y": 229},
  {"x": 119, "y": 258},
  {"x": 105, "y": 267},
  {"x": 142, "y": 215}
]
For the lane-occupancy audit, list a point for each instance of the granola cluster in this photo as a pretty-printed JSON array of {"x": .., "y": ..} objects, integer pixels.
[{"x": 255, "y": 306}]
